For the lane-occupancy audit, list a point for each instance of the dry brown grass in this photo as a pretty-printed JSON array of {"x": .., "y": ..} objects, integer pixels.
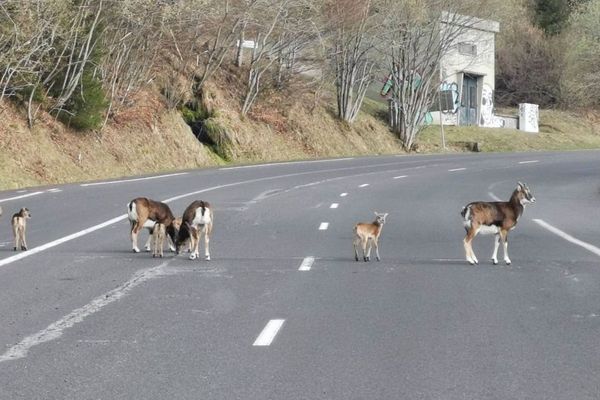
[{"x": 136, "y": 143}]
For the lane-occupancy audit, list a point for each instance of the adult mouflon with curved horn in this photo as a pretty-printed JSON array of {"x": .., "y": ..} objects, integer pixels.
[{"x": 497, "y": 217}]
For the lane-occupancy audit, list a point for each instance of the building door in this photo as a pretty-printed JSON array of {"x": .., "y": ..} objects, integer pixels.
[{"x": 468, "y": 104}]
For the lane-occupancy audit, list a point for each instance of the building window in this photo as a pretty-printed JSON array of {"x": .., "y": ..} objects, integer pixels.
[{"x": 468, "y": 49}]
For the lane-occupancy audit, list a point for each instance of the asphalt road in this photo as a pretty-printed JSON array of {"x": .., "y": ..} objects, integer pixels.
[{"x": 284, "y": 312}]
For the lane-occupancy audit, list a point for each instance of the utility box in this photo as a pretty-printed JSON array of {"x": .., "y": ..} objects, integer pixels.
[{"x": 529, "y": 115}]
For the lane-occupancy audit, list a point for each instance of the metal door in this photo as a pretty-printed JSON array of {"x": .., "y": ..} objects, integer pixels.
[{"x": 468, "y": 103}]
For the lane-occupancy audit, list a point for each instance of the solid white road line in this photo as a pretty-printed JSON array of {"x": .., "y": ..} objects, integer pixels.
[
  {"x": 133, "y": 180},
  {"x": 306, "y": 264},
  {"x": 56, "y": 329},
  {"x": 400, "y": 177},
  {"x": 456, "y": 169},
  {"x": 285, "y": 163},
  {"x": 324, "y": 226},
  {"x": 21, "y": 196},
  {"x": 567, "y": 237},
  {"x": 364, "y": 185},
  {"x": 62, "y": 240},
  {"x": 268, "y": 334},
  {"x": 334, "y": 205},
  {"x": 343, "y": 194},
  {"x": 529, "y": 162}
]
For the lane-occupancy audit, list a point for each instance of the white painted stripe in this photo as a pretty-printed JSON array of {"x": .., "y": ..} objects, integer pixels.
[
  {"x": 401, "y": 176},
  {"x": 343, "y": 194},
  {"x": 456, "y": 169},
  {"x": 21, "y": 196},
  {"x": 285, "y": 163},
  {"x": 334, "y": 205},
  {"x": 268, "y": 334},
  {"x": 324, "y": 226},
  {"x": 567, "y": 237},
  {"x": 56, "y": 329},
  {"x": 529, "y": 162},
  {"x": 306, "y": 264},
  {"x": 364, "y": 185},
  {"x": 493, "y": 196},
  {"x": 62, "y": 240},
  {"x": 133, "y": 180},
  {"x": 55, "y": 190},
  {"x": 21, "y": 191}
]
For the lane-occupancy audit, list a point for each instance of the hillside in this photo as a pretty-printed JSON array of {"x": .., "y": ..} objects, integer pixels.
[{"x": 148, "y": 138}]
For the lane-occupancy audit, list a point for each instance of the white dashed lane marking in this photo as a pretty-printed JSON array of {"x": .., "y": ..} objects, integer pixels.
[
  {"x": 268, "y": 334},
  {"x": 364, "y": 185},
  {"x": 529, "y": 162},
  {"x": 324, "y": 226},
  {"x": 343, "y": 194},
  {"x": 334, "y": 205},
  {"x": 306, "y": 264},
  {"x": 400, "y": 177},
  {"x": 456, "y": 169}
]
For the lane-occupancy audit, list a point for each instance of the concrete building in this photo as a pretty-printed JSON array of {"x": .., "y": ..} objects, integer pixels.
[{"x": 468, "y": 76}]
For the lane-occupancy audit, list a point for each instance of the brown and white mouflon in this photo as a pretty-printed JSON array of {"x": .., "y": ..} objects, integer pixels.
[
  {"x": 494, "y": 217},
  {"x": 366, "y": 235},
  {"x": 197, "y": 220},
  {"x": 145, "y": 213},
  {"x": 19, "y": 226}
]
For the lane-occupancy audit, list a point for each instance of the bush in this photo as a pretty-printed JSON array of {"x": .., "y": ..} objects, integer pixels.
[{"x": 85, "y": 109}]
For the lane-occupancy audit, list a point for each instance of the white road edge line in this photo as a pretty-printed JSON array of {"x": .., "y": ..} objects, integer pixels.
[
  {"x": 567, "y": 237},
  {"x": 306, "y": 264},
  {"x": 334, "y": 205},
  {"x": 456, "y": 169},
  {"x": 529, "y": 162},
  {"x": 21, "y": 196},
  {"x": 268, "y": 334},
  {"x": 62, "y": 240},
  {"x": 285, "y": 163},
  {"x": 401, "y": 176},
  {"x": 133, "y": 180},
  {"x": 324, "y": 226},
  {"x": 56, "y": 329}
]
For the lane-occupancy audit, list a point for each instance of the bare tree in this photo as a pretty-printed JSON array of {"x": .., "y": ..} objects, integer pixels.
[
  {"x": 77, "y": 51},
  {"x": 279, "y": 27},
  {"x": 416, "y": 37},
  {"x": 352, "y": 24},
  {"x": 131, "y": 43}
]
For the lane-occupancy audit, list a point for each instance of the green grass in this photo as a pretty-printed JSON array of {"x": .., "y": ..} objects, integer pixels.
[{"x": 559, "y": 130}]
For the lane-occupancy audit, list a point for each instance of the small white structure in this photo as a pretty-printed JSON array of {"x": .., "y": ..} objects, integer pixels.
[
  {"x": 529, "y": 116},
  {"x": 468, "y": 76}
]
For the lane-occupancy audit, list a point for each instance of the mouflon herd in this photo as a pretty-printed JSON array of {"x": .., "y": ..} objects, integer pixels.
[{"x": 486, "y": 217}]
